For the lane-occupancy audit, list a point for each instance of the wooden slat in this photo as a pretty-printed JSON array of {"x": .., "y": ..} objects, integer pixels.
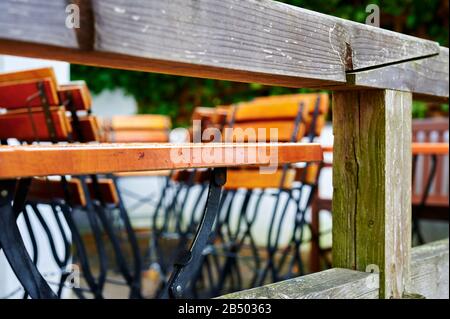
[
  {"x": 427, "y": 78},
  {"x": 372, "y": 185},
  {"x": 251, "y": 41},
  {"x": 430, "y": 148},
  {"x": 27, "y": 161},
  {"x": 279, "y": 107},
  {"x": 21, "y": 127},
  {"x": 282, "y": 130},
  {"x": 108, "y": 191},
  {"x": 89, "y": 128},
  {"x": 46, "y": 191},
  {"x": 37, "y": 21},
  {"x": 429, "y": 278},
  {"x": 138, "y": 122},
  {"x": 29, "y": 75},
  {"x": 249, "y": 35},
  {"x": 252, "y": 179},
  {"x": 136, "y": 136},
  {"x": 330, "y": 284},
  {"x": 79, "y": 93},
  {"x": 429, "y": 270},
  {"x": 22, "y": 94},
  {"x": 417, "y": 149}
]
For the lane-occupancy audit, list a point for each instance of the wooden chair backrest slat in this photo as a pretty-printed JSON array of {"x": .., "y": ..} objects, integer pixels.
[
  {"x": 279, "y": 107},
  {"x": 30, "y": 127},
  {"x": 24, "y": 94},
  {"x": 79, "y": 94},
  {"x": 253, "y": 179},
  {"x": 431, "y": 131}
]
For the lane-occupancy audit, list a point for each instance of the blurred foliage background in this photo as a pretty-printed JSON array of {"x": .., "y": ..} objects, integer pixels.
[{"x": 177, "y": 96}]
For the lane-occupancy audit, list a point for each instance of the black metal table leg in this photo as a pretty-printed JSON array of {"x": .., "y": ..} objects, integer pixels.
[
  {"x": 188, "y": 263},
  {"x": 12, "y": 244}
]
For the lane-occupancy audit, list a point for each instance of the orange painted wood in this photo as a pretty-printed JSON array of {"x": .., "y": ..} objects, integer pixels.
[
  {"x": 417, "y": 149},
  {"x": 89, "y": 128},
  {"x": 46, "y": 191},
  {"x": 108, "y": 191},
  {"x": 23, "y": 94},
  {"x": 16, "y": 87},
  {"x": 430, "y": 148},
  {"x": 20, "y": 125},
  {"x": 39, "y": 160},
  {"x": 280, "y": 107},
  {"x": 137, "y": 122},
  {"x": 283, "y": 130},
  {"x": 136, "y": 136},
  {"x": 79, "y": 93},
  {"x": 29, "y": 75},
  {"x": 253, "y": 179},
  {"x": 310, "y": 176}
]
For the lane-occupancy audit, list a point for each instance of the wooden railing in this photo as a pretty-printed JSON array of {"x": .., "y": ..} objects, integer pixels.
[{"x": 373, "y": 73}]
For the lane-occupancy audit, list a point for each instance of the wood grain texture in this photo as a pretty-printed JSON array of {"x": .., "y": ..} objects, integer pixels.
[
  {"x": 372, "y": 185},
  {"x": 251, "y": 41},
  {"x": 429, "y": 279},
  {"x": 127, "y": 62},
  {"x": 330, "y": 284},
  {"x": 429, "y": 78},
  {"x": 249, "y": 35},
  {"x": 429, "y": 270},
  {"x": 39, "y": 21},
  {"x": 81, "y": 159}
]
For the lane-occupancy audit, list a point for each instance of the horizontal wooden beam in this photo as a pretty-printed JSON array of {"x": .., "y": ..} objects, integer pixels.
[
  {"x": 429, "y": 278},
  {"x": 260, "y": 41},
  {"x": 417, "y": 149},
  {"x": 335, "y": 283},
  {"x": 429, "y": 270},
  {"x": 39, "y": 160},
  {"x": 427, "y": 78}
]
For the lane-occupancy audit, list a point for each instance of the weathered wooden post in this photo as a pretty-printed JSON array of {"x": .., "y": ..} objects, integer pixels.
[{"x": 372, "y": 185}]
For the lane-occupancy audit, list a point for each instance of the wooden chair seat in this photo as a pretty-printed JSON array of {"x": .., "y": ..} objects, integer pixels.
[{"x": 47, "y": 190}]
